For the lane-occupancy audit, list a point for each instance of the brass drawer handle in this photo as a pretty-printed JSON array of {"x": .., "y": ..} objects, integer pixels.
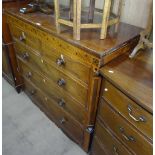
[
  {"x": 139, "y": 119},
  {"x": 33, "y": 92},
  {"x": 25, "y": 56},
  {"x": 62, "y": 121},
  {"x": 61, "y": 82},
  {"x": 115, "y": 149},
  {"x": 128, "y": 138},
  {"x": 29, "y": 75},
  {"x": 22, "y": 37},
  {"x": 60, "y": 61},
  {"x": 61, "y": 103}
]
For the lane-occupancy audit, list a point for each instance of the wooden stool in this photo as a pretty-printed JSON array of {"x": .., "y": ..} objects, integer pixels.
[{"x": 77, "y": 25}]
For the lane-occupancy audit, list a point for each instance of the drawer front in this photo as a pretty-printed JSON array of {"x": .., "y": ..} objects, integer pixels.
[
  {"x": 68, "y": 84},
  {"x": 110, "y": 144},
  {"x": 97, "y": 149},
  {"x": 62, "y": 119},
  {"x": 66, "y": 64},
  {"x": 140, "y": 118},
  {"x": 60, "y": 97},
  {"x": 34, "y": 93},
  {"x": 25, "y": 37},
  {"x": 124, "y": 131}
]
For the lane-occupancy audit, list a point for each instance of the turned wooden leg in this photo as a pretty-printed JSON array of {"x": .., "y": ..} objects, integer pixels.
[
  {"x": 91, "y": 11},
  {"x": 105, "y": 19},
  {"x": 57, "y": 14}
]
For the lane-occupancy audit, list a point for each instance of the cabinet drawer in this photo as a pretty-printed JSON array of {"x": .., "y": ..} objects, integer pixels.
[
  {"x": 66, "y": 64},
  {"x": 136, "y": 115},
  {"x": 61, "y": 118},
  {"x": 97, "y": 149},
  {"x": 60, "y": 97},
  {"x": 25, "y": 37},
  {"x": 110, "y": 144},
  {"x": 68, "y": 84},
  {"x": 124, "y": 131}
]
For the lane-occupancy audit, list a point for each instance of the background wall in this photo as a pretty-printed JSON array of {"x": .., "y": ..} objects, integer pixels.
[{"x": 134, "y": 12}]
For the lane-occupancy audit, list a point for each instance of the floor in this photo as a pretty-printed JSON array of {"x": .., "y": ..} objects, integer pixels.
[{"x": 27, "y": 131}]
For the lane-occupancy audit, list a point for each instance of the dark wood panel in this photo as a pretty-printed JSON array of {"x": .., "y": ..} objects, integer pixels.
[
  {"x": 124, "y": 131},
  {"x": 134, "y": 77},
  {"x": 136, "y": 115}
]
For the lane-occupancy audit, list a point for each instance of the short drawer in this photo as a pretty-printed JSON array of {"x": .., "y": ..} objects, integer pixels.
[
  {"x": 66, "y": 64},
  {"x": 110, "y": 144},
  {"x": 124, "y": 130},
  {"x": 25, "y": 37},
  {"x": 65, "y": 82},
  {"x": 136, "y": 115},
  {"x": 61, "y": 118},
  {"x": 60, "y": 97}
]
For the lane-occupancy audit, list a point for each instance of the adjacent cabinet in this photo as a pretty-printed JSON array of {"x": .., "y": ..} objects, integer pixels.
[
  {"x": 124, "y": 123},
  {"x": 62, "y": 76}
]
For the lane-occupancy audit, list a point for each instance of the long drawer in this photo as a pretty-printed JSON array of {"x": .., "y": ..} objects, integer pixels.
[
  {"x": 51, "y": 54},
  {"x": 61, "y": 118},
  {"x": 61, "y": 98},
  {"x": 124, "y": 131},
  {"x": 68, "y": 84},
  {"x": 136, "y": 115},
  {"x": 110, "y": 144}
]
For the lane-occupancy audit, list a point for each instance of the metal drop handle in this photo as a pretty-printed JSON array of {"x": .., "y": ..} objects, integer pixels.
[
  {"x": 61, "y": 103},
  {"x": 128, "y": 138},
  {"x": 25, "y": 56},
  {"x": 61, "y": 82},
  {"x": 62, "y": 121},
  {"x": 115, "y": 149},
  {"x": 138, "y": 119},
  {"x": 29, "y": 75},
  {"x": 22, "y": 37}
]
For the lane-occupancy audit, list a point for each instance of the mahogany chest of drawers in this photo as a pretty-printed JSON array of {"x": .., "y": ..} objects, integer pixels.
[
  {"x": 124, "y": 124},
  {"x": 61, "y": 75}
]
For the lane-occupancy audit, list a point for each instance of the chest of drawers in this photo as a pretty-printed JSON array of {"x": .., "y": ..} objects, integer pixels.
[
  {"x": 61, "y": 75},
  {"x": 125, "y": 118}
]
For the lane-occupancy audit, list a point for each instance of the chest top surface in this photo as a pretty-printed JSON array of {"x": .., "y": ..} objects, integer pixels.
[
  {"x": 89, "y": 38},
  {"x": 134, "y": 77}
]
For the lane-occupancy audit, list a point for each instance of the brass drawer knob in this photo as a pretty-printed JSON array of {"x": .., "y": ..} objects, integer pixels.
[
  {"x": 25, "y": 56},
  {"x": 61, "y": 82},
  {"x": 61, "y": 103},
  {"x": 136, "y": 119},
  {"x": 22, "y": 37},
  {"x": 115, "y": 150},
  {"x": 29, "y": 75},
  {"x": 32, "y": 92},
  {"x": 125, "y": 136},
  {"x": 62, "y": 121},
  {"x": 60, "y": 61}
]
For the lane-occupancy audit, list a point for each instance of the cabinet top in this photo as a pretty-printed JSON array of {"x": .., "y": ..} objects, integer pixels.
[
  {"x": 134, "y": 77},
  {"x": 89, "y": 38}
]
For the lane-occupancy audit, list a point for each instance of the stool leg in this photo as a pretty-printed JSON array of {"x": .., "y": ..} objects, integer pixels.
[
  {"x": 118, "y": 14},
  {"x": 105, "y": 19},
  {"x": 71, "y": 10},
  {"x": 77, "y": 19},
  {"x": 91, "y": 11},
  {"x": 57, "y": 14}
]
